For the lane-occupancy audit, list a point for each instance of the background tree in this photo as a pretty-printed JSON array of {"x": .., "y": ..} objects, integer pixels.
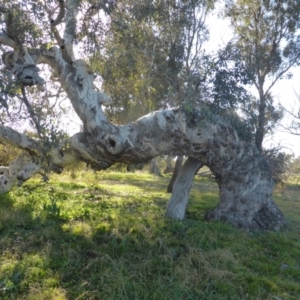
[
  {"x": 268, "y": 41},
  {"x": 150, "y": 48}
]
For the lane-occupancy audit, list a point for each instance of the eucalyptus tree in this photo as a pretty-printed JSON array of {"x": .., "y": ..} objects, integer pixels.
[
  {"x": 243, "y": 176},
  {"x": 151, "y": 48},
  {"x": 149, "y": 55},
  {"x": 268, "y": 40}
]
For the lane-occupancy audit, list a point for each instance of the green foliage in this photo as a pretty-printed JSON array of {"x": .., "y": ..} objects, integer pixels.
[
  {"x": 150, "y": 57},
  {"x": 7, "y": 154},
  {"x": 278, "y": 162},
  {"x": 147, "y": 52},
  {"x": 267, "y": 41},
  {"x": 27, "y": 23},
  {"x": 19, "y": 23},
  {"x": 267, "y": 33},
  {"x": 109, "y": 241}
]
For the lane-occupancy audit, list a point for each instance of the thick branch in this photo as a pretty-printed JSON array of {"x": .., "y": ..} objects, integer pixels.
[
  {"x": 70, "y": 26},
  {"x": 22, "y": 65},
  {"x": 3, "y": 169},
  {"x": 61, "y": 42},
  {"x": 243, "y": 175},
  {"x": 60, "y": 15},
  {"x": 18, "y": 140},
  {"x": 76, "y": 80},
  {"x": 34, "y": 158}
]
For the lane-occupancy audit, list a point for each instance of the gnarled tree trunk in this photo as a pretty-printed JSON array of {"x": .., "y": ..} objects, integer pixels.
[
  {"x": 242, "y": 173},
  {"x": 246, "y": 192},
  {"x": 245, "y": 196}
]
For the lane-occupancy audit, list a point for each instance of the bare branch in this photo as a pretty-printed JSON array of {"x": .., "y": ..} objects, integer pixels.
[
  {"x": 60, "y": 15},
  {"x": 281, "y": 73},
  {"x": 292, "y": 129}
]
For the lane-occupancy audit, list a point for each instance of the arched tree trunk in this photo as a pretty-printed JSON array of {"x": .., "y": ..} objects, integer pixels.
[
  {"x": 176, "y": 206},
  {"x": 178, "y": 166},
  {"x": 246, "y": 186},
  {"x": 242, "y": 173}
]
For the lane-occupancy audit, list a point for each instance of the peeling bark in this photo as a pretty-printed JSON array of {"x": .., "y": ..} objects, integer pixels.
[{"x": 19, "y": 170}]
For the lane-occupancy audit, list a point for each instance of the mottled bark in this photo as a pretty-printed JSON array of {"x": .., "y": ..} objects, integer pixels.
[
  {"x": 177, "y": 204},
  {"x": 245, "y": 183},
  {"x": 178, "y": 166},
  {"x": 19, "y": 170}
]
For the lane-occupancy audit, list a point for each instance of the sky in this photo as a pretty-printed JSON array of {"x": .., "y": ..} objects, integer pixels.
[{"x": 283, "y": 91}]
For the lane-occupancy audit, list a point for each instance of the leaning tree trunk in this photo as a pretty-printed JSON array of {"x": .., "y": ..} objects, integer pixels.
[
  {"x": 177, "y": 168},
  {"x": 246, "y": 186},
  {"x": 177, "y": 204},
  {"x": 242, "y": 173}
]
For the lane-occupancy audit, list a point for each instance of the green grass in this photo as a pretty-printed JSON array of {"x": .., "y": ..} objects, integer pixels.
[{"x": 103, "y": 236}]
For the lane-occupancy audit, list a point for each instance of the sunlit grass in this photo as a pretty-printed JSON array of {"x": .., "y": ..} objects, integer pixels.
[{"x": 103, "y": 236}]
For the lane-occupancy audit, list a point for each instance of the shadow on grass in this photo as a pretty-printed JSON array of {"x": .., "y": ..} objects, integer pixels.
[
  {"x": 46, "y": 258},
  {"x": 109, "y": 249}
]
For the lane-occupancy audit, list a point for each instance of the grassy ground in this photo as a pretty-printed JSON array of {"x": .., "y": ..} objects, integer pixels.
[{"x": 104, "y": 237}]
